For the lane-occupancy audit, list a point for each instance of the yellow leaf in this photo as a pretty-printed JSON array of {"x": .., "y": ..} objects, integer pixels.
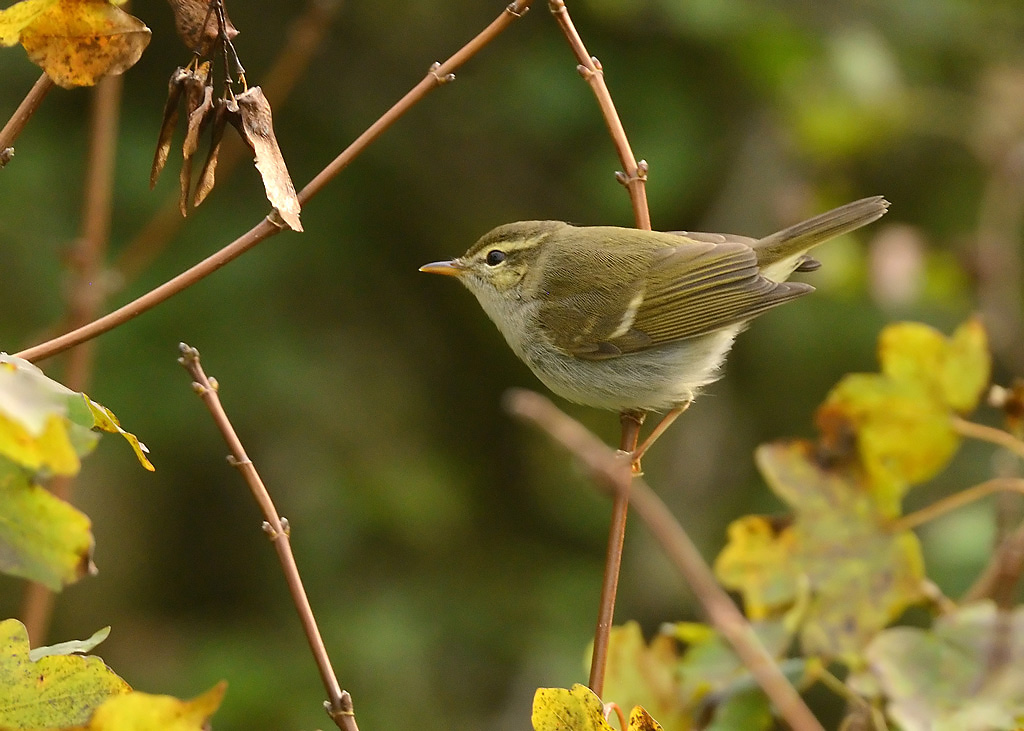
[
  {"x": 578, "y": 709},
  {"x": 42, "y": 538},
  {"x": 956, "y": 369},
  {"x": 54, "y": 692},
  {"x": 19, "y": 15},
  {"x": 76, "y": 42},
  {"x": 642, "y": 674},
  {"x": 903, "y": 431},
  {"x": 103, "y": 418},
  {"x": 144, "y": 712},
  {"x": 640, "y": 720},
  {"x": 757, "y": 557}
]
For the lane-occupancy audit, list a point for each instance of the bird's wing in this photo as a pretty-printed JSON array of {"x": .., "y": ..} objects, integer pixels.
[{"x": 681, "y": 291}]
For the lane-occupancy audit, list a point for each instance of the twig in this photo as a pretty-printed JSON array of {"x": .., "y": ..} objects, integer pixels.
[
  {"x": 1000, "y": 577},
  {"x": 634, "y": 175},
  {"x": 339, "y": 703},
  {"x": 613, "y": 554},
  {"x": 305, "y": 35},
  {"x": 955, "y": 501},
  {"x": 988, "y": 434},
  {"x": 605, "y": 467},
  {"x": 436, "y": 76},
  {"x": 87, "y": 293},
  {"x": 21, "y": 115}
]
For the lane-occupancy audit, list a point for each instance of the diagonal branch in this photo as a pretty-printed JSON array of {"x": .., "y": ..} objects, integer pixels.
[
  {"x": 436, "y": 76},
  {"x": 339, "y": 703},
  {"x": 605, "y": 467},
  {"x": 21, "y": 115}
]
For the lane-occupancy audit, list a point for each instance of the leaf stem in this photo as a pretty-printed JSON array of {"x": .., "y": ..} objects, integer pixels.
[
  {"x": 339, "y": 704},
  {"x": 436, "y": 76},
  {"x": 990, "y": 434},
  {"x": 955, "y": 501},
  {"x": 21, "y": 115},
  {"x": 605, "y": 467}
]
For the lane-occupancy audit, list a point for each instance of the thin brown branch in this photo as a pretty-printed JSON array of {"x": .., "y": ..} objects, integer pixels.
[
  {"x": 21, "y": 115},
  {"x": 87, "y": 292},
  {"x": 604, "y": 466},
  {"x": 989, "y": 434},
  {"x": 613, "y": 554},
  {"x": 339, "y": 703},
  {"x": 304, "y": 37},
  {"x": 999, "y": 579},
  {"x": 955, "y": 501},
  {"x": 634, "y": 174},
  {"x": 436, "y": 76}
]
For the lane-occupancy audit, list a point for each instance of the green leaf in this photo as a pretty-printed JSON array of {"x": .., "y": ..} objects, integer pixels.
[
  {"x": 839, "y": 556},
  {"x": 966, "y": 672},
  {"x": 70, "y": 647},
  {"x": 56, "y": 691}
]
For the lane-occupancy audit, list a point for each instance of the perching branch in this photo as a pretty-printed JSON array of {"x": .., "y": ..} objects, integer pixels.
[
  {"x": 436, "y": 76},
  {"x": 339, "y": 703},
  {"x": 634, "y": 177},
  {"x": 21, "y": 115},
  {"x": 605, "y": 467},
  {"x": 988, "y": 434}
]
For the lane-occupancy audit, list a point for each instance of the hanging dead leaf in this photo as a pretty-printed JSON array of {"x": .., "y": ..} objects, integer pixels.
[
  {"x": 197, "y": 120},
  {"x": 170, "y": 119},
  {"x": 257, "y": 129},
  {"x": 76, "y": 42},
  {"x": 198, "y": 95},
  {"x": 222, "y": 109},
  {"x": 197, "y": 24}
]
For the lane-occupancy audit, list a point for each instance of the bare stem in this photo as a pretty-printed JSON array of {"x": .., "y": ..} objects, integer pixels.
[
  {"x": 436, "y": 76},
  {"x": 988, "y": 434},
  {"x": 21, "y": 115},
  {"x": 87, "y": 291},
  {"x": 955, "y": 501},
  {"x": 634, "y": 175},
  {"x": 339, "y": 704},
  {"x": 1001, "y": 576},
  {"x": 631, "y": 424},
  {"x": 604, "y": 466}
]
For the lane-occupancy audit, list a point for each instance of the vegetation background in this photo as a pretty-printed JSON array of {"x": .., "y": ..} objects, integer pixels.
[{"x": 452, "y": 556}]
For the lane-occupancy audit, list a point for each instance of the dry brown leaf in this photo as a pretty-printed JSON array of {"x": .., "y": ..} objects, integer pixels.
[
  {"x": 198, "y": 102},
  {"x": 163, "y": 143},
  {"x": 197, "y": 24},
  {"x": 222, "y": 109},
  {"x": 76, "y": 42},
  {"x": 257, "y": 130}
]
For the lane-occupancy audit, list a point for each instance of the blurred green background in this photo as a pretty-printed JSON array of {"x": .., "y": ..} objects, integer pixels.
[{"x": 453, "y": 557}]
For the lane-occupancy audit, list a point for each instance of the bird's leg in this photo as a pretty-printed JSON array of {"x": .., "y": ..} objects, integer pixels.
[{"x": 664, "y": 424}]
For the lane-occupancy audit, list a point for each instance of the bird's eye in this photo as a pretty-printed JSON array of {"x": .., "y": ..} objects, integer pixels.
[{"x": 495, "y": 257}]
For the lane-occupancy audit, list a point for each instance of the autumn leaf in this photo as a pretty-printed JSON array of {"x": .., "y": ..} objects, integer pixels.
[
  {"x": 76, "y": 42},
  {"x": 965, "y": 672},
  {"x": 144, "y": 711},
  {"x": 578, "y": 709},
  {"x": 55, "y": 691},
  {"x": 852, "y": 573},
  {"x": 42, "y": 538}
]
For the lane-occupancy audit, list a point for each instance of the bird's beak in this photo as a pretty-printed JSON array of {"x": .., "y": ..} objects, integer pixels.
[{"x": 453, "y": 268}]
